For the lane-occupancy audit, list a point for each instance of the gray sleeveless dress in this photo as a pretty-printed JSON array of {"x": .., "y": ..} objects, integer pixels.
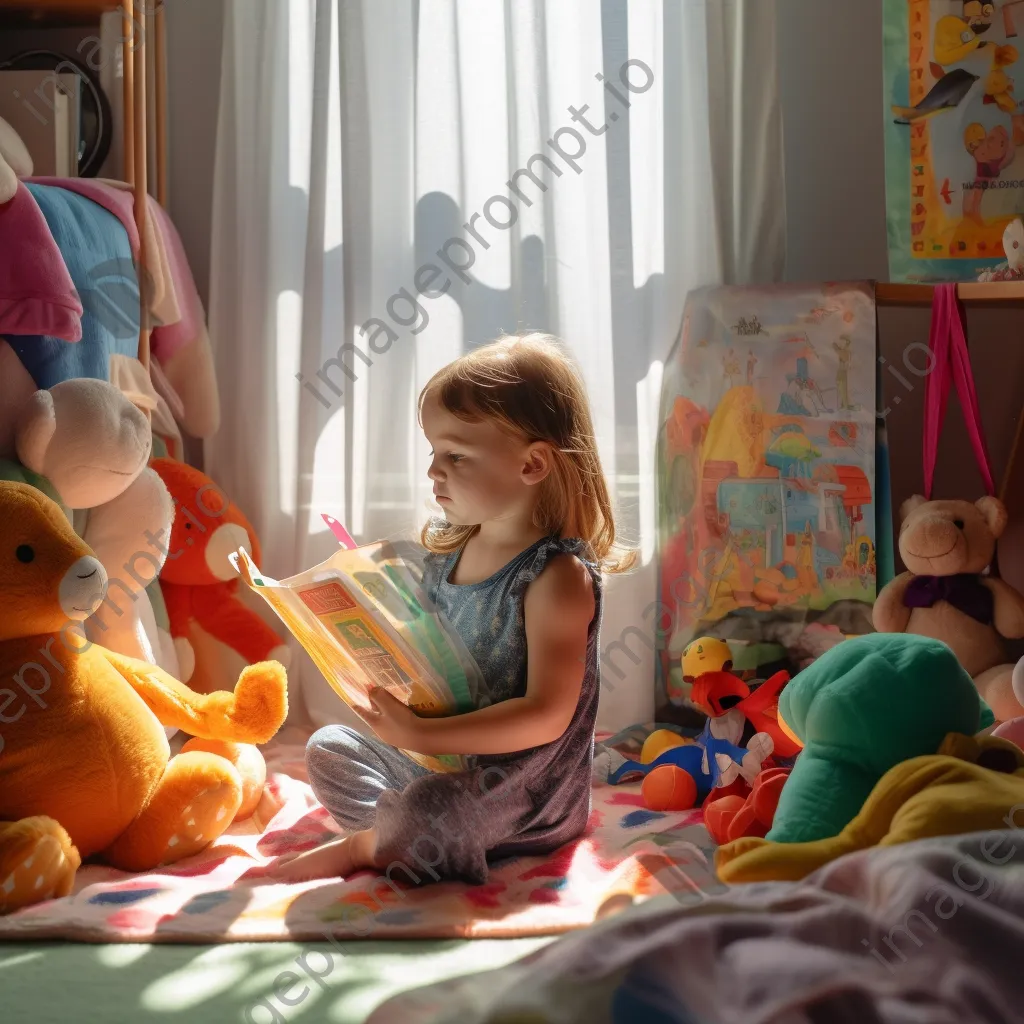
[{"x": 433, "y": 826}]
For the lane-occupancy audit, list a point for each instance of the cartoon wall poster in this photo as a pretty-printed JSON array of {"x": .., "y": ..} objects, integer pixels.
[
  {"x": 954, "y": 134},
  {"x": 766, "y": 477}
]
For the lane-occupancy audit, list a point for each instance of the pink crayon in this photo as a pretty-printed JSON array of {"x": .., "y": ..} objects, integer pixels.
[{"x": 342, "y": 535}]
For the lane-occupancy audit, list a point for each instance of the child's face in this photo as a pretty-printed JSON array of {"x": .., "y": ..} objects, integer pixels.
[{"x": 480, "y": 473}]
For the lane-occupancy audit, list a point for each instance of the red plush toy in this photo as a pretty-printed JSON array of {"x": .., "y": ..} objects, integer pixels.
[
  {"x": 212, "y": 630},
  {"x": 737, "y": 811},
  {"x": 717, "y": 692}
]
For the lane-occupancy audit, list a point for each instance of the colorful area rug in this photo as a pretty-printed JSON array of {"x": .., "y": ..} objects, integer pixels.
[{"x": 223, "y": 895}]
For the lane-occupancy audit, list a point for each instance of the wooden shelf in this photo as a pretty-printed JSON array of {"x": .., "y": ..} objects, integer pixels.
[
  {"x": 45, "y": 8},
  {"x": 53, "y": 13},
  {"x": 1003, "y": 292}
]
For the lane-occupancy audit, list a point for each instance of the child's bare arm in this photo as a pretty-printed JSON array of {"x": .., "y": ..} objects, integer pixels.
[{"x": 559, "y": 607}]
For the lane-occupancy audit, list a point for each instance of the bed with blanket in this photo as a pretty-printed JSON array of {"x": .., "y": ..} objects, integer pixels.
[{"x": 927, "y": 932}]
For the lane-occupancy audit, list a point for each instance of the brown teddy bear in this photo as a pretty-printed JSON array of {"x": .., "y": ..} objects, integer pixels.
[
  {"x": 946, "y": 545},
  {"x": 85, "y": 768}
]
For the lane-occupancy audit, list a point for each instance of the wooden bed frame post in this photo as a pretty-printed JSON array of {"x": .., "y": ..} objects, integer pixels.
[
  {"x": 160, "y": 64},
  {"x": 141, "y": 179},
  {"x": 128, "y": 81}
]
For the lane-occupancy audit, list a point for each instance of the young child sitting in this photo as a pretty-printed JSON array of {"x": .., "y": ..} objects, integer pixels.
[{"x": 516, "y": 566}]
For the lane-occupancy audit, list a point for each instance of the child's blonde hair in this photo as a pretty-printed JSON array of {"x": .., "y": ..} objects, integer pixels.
[{"x": 528, "y": 386}]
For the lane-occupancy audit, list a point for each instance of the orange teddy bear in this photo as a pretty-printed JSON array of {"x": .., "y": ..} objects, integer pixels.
[
  {"x": 215, "y": 634},
  {"x": 85, "y": 768}
]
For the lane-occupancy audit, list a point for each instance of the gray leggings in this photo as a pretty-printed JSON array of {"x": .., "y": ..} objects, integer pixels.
[{"x": 429, "y": 826}]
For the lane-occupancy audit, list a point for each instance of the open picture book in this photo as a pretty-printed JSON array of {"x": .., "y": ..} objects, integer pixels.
[{"x": 364, "y": 618}]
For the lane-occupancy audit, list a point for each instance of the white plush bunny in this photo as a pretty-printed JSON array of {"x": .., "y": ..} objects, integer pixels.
[{"x": 15, "y": 161}]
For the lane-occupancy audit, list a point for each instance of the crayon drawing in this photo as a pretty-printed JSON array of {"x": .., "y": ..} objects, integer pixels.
[{"x": 766, "y": 478}]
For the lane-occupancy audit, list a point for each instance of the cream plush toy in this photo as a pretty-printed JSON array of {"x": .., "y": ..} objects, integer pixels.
[
  {"x": 94, "y": 446},
  {"x": 946, "y": 546}
]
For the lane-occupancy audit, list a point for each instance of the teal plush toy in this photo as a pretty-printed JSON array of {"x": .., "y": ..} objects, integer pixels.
[{"x": 860, "y": 709}]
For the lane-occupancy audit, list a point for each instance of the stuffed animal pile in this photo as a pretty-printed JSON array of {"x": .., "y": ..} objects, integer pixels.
[
  {"x": 738, "y": 764},
  {"x": 85, "y": 767},
  {"x": 888, "y": 724},
  {"x": 883, "y": 739},
  {"x": 94, "y": 672},
  {"x": 92, "y": 446}
]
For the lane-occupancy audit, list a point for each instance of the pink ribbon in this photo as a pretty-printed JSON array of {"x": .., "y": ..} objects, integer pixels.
[{"x": 951, "y": 364}]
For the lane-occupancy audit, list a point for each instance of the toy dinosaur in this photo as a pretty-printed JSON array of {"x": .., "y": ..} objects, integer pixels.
[{"x": 861, "y": 708}]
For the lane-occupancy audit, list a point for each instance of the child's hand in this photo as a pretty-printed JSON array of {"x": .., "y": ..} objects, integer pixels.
[{"x": 394, "y": 722}]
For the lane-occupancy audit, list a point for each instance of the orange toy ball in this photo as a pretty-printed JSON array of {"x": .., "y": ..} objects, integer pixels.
[{"x": 669, "y": 788}]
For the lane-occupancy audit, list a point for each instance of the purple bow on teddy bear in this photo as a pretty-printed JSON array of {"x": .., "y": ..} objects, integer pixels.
[{"x": 963, "y": 591}]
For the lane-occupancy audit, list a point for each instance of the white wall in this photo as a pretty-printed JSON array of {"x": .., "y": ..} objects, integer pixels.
[
  {"x": 194, "y": 37},
  {"x": 830, "y": 66}
]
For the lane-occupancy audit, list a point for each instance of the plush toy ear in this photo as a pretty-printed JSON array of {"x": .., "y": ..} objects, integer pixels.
[
  {"x": 35, "y": 429},
  {"x": 911, "y": 504},
  {"x": 995, "y": 514}
]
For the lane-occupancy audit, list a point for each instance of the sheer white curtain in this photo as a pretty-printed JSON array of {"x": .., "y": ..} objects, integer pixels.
[{"x": 400, "y": 180}]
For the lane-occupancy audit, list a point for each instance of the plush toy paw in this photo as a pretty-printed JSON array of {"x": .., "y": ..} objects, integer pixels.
[
  {"x": 195, "y": 801},
  {"x": 719, "y": 814},
  {"x": 248, "y": 762},
  {"x": 38, "y": 862},
  {"x": 738, "y": 847},
  {"x": 750, "y": 814},
  {"x": 260, "y": 702},
  {"x": 202, "y": 821},
  {"x": 759, "y": 749}
]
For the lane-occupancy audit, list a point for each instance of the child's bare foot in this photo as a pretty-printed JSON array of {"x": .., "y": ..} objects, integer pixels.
[{"x": 335, "y": 859}]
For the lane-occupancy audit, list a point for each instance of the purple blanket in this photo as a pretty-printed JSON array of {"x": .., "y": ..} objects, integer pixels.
[{"x": 930, "y": 932}]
